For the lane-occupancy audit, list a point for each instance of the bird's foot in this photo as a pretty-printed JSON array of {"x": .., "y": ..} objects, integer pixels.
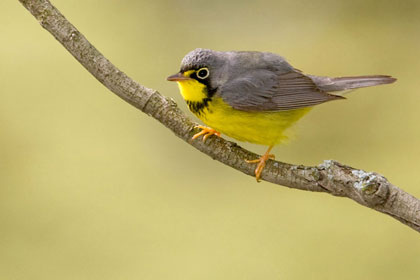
[
  {"x": 206, "y": 131},
  {"x": 261, "y": 163}
]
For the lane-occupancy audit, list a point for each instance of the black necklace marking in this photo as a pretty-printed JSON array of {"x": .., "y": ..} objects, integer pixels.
[{"x": 197, "y": 107}]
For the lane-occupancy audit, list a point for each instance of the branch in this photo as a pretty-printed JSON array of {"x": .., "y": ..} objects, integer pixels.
[{"x": 369, "y": 189}]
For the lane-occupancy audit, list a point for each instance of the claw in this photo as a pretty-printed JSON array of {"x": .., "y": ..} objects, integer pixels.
[
  {"x": 261, "y": 163},
  {"x": 206, "y": 131}
]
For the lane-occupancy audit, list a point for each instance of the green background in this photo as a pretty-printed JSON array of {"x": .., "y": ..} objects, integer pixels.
[{"x": 91, "y": 188}]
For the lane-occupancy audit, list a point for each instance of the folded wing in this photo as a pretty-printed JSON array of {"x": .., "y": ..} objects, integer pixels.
[{"x": 265, "y": 90}]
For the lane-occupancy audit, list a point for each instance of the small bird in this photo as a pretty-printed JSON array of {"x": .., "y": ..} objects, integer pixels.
[{"x": 255, "y": 96}]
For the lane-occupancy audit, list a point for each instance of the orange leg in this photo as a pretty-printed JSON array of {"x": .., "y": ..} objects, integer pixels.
[
  {"x": 261, "y": 163},
  {"x": 206, "y": 131}
]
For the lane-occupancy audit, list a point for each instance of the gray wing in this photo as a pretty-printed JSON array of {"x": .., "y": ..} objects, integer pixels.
[{"x": 267, "y": 90}]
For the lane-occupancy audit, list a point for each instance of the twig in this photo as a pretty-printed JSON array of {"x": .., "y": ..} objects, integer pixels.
[{"x": 369, "y": 189}]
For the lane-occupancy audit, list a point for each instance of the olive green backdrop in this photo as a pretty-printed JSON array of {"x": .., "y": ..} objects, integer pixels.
[{"x": 91, "y": 188}]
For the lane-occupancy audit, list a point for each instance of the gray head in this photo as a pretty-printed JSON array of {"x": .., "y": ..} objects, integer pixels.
[
  {"x": 199, "y": 58},
  {"x": 204, "y": 65}
]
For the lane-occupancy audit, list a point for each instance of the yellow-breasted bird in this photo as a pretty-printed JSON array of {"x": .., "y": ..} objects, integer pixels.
[{"x": 255, "y": 96}]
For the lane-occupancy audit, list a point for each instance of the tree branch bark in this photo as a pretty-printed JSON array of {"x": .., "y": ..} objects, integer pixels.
[{"x": 366, "y": 188}]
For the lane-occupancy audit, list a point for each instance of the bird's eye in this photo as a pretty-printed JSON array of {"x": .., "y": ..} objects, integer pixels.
[{"x": 203, "y": 73}]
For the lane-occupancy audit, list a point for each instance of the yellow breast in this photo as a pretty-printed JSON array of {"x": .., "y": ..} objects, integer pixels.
[{"x": 265, "y": 128}]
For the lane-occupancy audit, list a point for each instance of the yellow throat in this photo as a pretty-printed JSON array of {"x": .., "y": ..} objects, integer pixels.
[{"x": 192, "y": 90}]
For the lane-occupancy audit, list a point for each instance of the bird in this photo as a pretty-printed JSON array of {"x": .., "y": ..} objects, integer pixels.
[{"x": 255, "y": 96}]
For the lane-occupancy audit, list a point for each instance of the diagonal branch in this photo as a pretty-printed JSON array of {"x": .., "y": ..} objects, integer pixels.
[{"x": 369, "y": 189}]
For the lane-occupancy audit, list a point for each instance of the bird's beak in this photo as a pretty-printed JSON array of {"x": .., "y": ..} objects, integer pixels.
[{"x": 178, "y": 77}]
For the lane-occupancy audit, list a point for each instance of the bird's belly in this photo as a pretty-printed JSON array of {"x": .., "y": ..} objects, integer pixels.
[{"x": 265, "y": 128}]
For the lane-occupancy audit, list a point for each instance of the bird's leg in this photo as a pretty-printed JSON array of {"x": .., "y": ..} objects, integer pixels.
[
  {"x": 261, "y": 163},
  {"x": 206, "y": 131}
]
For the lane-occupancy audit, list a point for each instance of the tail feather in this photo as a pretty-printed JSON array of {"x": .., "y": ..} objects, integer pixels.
[{"x": 345, "y": 83}]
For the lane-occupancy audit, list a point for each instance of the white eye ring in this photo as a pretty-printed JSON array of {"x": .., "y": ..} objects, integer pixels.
[{"x": 203, "y": 73}]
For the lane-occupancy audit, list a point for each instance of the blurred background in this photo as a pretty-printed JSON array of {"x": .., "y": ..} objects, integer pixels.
[{"x": 91, "y": 188}]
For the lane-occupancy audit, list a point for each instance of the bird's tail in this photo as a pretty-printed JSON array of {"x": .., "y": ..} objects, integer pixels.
[{"x": 345, "y": 83}]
